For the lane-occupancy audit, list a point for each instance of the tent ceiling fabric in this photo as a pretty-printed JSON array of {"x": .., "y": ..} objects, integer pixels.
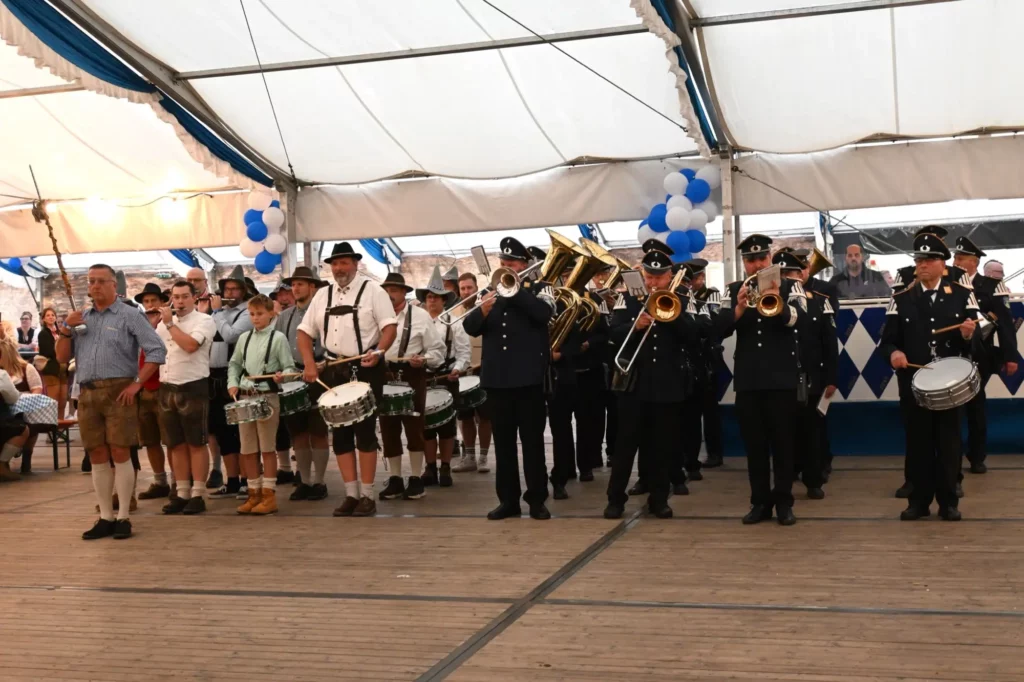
[
  {"x": 807, "y": 84},
  {"x": 490, "y": 114}
]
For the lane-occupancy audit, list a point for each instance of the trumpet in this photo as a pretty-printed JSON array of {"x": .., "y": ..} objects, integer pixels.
[
  {"x": 664, "y": 305},
  {"x": 768, "y": 304}
]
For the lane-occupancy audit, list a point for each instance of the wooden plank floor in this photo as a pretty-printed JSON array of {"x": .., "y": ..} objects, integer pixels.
[{"x": 431, "y": 590}]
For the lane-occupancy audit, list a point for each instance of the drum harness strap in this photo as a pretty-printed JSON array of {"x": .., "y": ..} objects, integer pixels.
[{"x": 271, "y": 385}]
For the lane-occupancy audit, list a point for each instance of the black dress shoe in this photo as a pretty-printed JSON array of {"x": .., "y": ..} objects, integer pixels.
[
  {"x": 319, "y": 492},
  {"x": 539, "y": 512},
  {"x": 903, "y": 492},
  {"x": 913, "y": 513},
  {"x": 195, "y": 505},
  {"x": 394, "y": 489},
  {"x": 979, "y": 468},
  {"x": 614, "y": 511},
  {"x": 785, "y": 516},
  {"x": 122, "y": 529},
  {"x": 959, "y": 490},
  {"x": 560, "y": 493},
  {"x": 680, "y": 489},
  {"x": 713, "y": 462},
  {"x": 86, "y": 465},
  {"x": 663, "y": 512},
  {"x": 825, "y": 476},
  {"x": 445, "y": 477},
  {"x": 284, "y": 477},
  {"x": 586, "y": 476},
  {"x": 949, "y": 514},
  {"x": 175, "y": 506},
  {"x": 815, "y": 494},
  {"x": 301, "y": 493},
  {"x": 504, "y": 511},
  {"x": 639, "y": 489},
  {"x": 429, "y": 476},
  {"x": 100, "y": 529},
  {"x": 695, "y": 475},
  {"x": 757, "y": 514}
]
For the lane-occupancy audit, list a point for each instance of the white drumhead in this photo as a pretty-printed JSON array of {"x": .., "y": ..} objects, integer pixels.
[
  {"x": 396, "y": 389},
  {"x": 438, "y": 399},
  {"x": 944, "y": 373},
  {"x": 250, "y": 402},
  {"x": 293, "y": 386},
  {"x": 468, "y": 383},
  {"x": 344, "y": 394}
]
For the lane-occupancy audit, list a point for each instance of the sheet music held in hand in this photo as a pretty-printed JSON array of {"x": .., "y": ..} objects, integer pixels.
[
  {"x": 823, "y": 404},
  {"x": 770, "y": 279},
  {"x": 634, "y": 282}
]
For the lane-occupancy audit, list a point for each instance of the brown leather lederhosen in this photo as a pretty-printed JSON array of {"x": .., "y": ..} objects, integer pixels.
[
  {"x": 447, "y": 430},
  {"x": 416, "y": 377}
]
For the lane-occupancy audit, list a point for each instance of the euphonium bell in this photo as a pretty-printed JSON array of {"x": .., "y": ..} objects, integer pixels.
[{"x": 817, "y": 262}]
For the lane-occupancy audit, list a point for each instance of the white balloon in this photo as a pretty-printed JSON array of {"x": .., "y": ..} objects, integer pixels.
[
  {"x": 677, "y": 218},
  {"x": 249, "y": 248},
  {"x": 709, "y": 208},
  {"x": 675, "y": 183},
  {"x": 273, "y": 218},
  {"x": 663, "y": 236},
  {"x": 645, "y": 233},
  {"x": 698, "y": 218},
  {"x": 703, "y": 229},
  {"x": 680, "y": 202},
  {"x": 711, "y": 175},
  {"x": 275, "y": 244},
  {"x": 259, "y": 201}
]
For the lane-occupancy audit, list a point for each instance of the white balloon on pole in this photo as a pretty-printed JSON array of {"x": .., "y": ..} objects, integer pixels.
[
  {"x": 677, "y": 218},
  {"x": 273, "y": 218},
  {"x": 679, "y": 202},
  {"x": 259, "y": 201},
  {"x": 698, "y": 218},
  {"x": 645, "y": 233},
  {"x": 709, "y": 208},
  {"x": 275, "y": 244},
  {"x": 711, "y": 175},
  {"x": 249, "y": 248},
  {"x": 675, "y": 183}
]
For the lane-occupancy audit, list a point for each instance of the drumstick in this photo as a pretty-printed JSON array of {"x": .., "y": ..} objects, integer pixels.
[
  {"x": 351, "y": 359},
  {"x": 271, "y": 376},
  {"x": 320, "y": 381},
  {"x": 910, "y": 364},
  {"x": 946, "y": 329}
]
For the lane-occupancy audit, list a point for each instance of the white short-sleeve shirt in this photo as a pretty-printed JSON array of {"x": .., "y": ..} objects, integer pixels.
[{"x": 375, "y": 312}]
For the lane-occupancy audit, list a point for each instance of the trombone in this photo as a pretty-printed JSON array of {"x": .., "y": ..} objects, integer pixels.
[
  {"x": 664, "y": 305},
  {"x": 504, "y": 281}
]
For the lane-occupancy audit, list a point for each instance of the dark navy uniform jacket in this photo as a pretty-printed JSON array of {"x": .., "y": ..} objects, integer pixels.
[{"x": 515, "y": 349}]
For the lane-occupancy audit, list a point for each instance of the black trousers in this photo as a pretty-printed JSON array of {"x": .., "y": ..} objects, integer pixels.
[
  {"x": 518, "y": 413},
  {"x": 560, "y": 410},
  {"x": 691, "y": 439},
  {"x": 712, "y": 416},
  {"x": 933, "y": 453},
  {"x": 810, "y": 457},
  {"x": 766, "y": 420},
  {"x": 977, "y": 424},
  {"x": 590, "y": 418},
  {"x": 647, "y": 428},
  {"x": 611, "y": 431}
]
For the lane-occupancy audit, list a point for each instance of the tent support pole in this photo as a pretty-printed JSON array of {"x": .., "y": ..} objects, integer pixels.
[
  {"x": 291, "y": 196},
  {"x": 730, "y": 222}
]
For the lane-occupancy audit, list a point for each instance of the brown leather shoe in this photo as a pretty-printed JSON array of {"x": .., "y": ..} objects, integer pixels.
[
  {"x": 366, "y": 507},
  {"x": 155, "y": 491},
  {"x": 268, "y": 503},
  {"x": 133, "y": 505},
  {"x": 347, "y": 507},
  {"x": 250, "y": 502},
  {"x": 6, "y": 475}
]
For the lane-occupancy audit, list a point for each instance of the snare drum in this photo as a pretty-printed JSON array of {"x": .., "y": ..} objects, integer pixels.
[
  {"x": 295, "y": 398},
  {"x": 440, "y": 408},
  {"x": 245, "y": 411},
  {"x": 397, "y": 400},
  {"x": 347, "y": 404},
  {"x": 946, "y": 384},
  {"x": 470, "y": 393}
]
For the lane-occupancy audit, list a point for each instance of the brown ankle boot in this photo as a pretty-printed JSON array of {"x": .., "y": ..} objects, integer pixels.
[
  {"x": 268, "y": 503},
  {"x": 250, "y": 502},
  {"x": 6, "y": 474}
]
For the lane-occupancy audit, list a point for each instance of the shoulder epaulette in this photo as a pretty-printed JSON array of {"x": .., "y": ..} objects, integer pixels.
[
  {"x": 1001, "y": 289},
  {"x": 620, "y": 304},
  {"x": 965, "y": 282},
  {"x": 828, "y": 307},
  {"x": 891, "y": 308},
  {"x": 972, "y": 302}
]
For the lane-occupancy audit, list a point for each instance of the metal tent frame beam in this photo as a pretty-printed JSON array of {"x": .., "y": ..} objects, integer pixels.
[
  {"x": 802, "y": 12},
  {"x": 163, "y": 78},
  {"x": 461, "y": 48},
  {"x": 35, "y": 92},
  {"x": 685, "y": 33}
]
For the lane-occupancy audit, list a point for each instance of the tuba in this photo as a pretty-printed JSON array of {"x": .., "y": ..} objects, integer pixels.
[
  {"x": 570, "y": 306},
  {"x": 817, "y": 262}
]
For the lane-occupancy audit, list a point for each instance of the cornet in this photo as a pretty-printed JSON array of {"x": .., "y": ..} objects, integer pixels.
[{"x": 769, "y": 303}]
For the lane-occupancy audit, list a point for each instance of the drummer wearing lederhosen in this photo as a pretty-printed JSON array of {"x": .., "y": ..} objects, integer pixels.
[
  {"x": 931, "y": 303},
  {"x": 352, "y": 317},
  {"x": 418, "y": 349},
  {"x": 307, "y": 429},
  {"x": 436, "y": 298}
]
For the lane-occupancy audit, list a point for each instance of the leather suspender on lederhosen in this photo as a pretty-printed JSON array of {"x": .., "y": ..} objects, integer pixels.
[
  {"x": 266, "y": 358},
  {"x": 352, "y": 310},
  {"x": 406, "y": 332}
]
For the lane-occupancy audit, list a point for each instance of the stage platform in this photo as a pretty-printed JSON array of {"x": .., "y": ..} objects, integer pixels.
[{"x": 431, "y": 590}]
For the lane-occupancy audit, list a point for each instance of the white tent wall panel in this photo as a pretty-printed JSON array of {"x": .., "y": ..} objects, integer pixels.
[{"x": 17, "y": 72}]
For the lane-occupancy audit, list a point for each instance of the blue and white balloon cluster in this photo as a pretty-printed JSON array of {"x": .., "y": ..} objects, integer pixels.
[
  {"x": 681, "y": 222},
  {"x": 264, "y": 232}
]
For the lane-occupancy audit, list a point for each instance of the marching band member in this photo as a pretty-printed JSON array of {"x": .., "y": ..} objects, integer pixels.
[
  {"x": 352, "y": 317},
  {"x": 436, "y": 298},
  {"x": 608, "y": 426},
  {"x": 152, "y": 299},
  {"x": 656, "y": 387},
  {"x": 766, "y": 380},
  {"x": 474, "y": 421},
  {"x": 589, "y": 407},
  {"x": 450, "y": 279},
  {"x": 184, "y": 396},
  {"x": 687, "y": 466},
  {"x": 307, "y": 429},
  {"x": 514, "y": 363},
  {"x": 417, "y": 349},
  {"x": 818, "y": 351},
  {"x": 933, "y": 436},
  {"x": 708, "y": 300},
  {"x": 995, "y": 354}
]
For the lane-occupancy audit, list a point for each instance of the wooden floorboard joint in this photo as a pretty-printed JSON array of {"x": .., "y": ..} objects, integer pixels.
[{"x": 450, "y": 663}]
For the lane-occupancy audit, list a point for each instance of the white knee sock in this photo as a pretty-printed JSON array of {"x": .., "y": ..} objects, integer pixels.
[
  {"x": 416, "y": 463},
  {"x": 366, "y": 489},
  {"x": 320, "y": 458},
  {"x": 269, "y": 483},
  {"x": 395, "y": 466},
  {"x": 124, "y": 483},
  {"x": 103, "y": 484},
  {"x": 352, "y": 488},
  {"x": 183, "y": 489},
  {"x": 198, "y": 489},
  {"x": 304, "y": 460},
  {"x": 284, "y": 461}
]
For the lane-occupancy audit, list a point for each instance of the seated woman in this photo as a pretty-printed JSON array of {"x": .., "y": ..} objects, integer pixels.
[{"x": 26, "y": 380}]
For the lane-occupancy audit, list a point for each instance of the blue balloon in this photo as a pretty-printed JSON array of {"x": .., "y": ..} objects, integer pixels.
[
  {"x": 698, "y": 190},
  {"x": 266, "y": 262},
  {"x": 256, "y": 231},
  {"x": 689, "y": 173},
  {"x": 275, "y": 204},
  {"x": 14, "y": 263},
  {"x": 276, "y": 257},
  {"x": 678, "y": 241},
  {"x": 698, "y": 240},
  {"x": 656, "y": 219},
  {"x": 642, "y": 223},
  {"x": 681, "y": 257},
  {"x": 252, "y": 216}
]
